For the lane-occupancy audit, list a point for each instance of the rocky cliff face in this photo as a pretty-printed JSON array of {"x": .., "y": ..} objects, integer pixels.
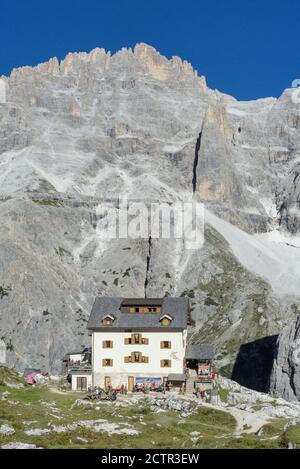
[
  {"x": 285, "y": 377},
  {"x": 97, "y": 126}
]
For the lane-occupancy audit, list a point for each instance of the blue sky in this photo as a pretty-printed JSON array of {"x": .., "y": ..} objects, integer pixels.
[{"x": 249, "y": 49}]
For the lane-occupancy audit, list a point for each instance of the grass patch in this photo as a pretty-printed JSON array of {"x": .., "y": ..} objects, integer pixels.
[
  {"x": 62, "y": 252},
  {"x": 48, "y": 202},
  {"x": 41, "y": 407},
  {"x": 4, "y": 291}
]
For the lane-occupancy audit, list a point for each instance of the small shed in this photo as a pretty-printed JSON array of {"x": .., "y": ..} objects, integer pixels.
[
  {"x": 198, "y": 362},
  {"x": 200, "y": 352},
  {"x": 176, "y": 380},
  {"x": 81, "y": 380}
]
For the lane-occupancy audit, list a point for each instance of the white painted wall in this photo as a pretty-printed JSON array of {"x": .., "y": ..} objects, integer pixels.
[
  {"x": 76, "y": 357},
  {"x": 120, "y": 370},
  {"x": 74, "y": 380}
]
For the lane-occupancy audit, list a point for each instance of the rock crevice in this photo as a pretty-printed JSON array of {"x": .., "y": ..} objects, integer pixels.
[
  {"x": 196, "y": 160},
  {"x": 148, "y": 266}
]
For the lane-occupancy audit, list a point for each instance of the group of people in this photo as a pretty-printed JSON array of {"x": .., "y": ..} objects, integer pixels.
[
  {"x": 202, "y": 394},
  {"x": 100, "y": 393},
  {"x": 145, "y": 387}
]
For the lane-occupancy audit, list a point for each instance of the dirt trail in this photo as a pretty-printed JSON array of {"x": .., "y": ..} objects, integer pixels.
[
  {"x": 252, "y": 420},
  {"x": 55, "y": 390}
]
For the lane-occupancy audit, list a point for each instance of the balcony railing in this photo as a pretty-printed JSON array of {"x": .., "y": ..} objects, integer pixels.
[
  {"x": 80, "y": 367},
  {"x": 204, "y": 379}
]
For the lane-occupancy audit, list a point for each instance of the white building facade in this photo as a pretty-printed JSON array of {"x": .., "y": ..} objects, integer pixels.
[
  {"x": 116, "y": 360},
  {"x": 137, "y": 340}
]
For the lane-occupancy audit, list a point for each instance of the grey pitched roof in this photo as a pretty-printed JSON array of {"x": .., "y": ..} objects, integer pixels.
[
  {"x": 80, "y": 372},
  {"x": 200, "y": 352},
  {"x": 176, "y": 307},
  {"x": 176, "y": 377}
]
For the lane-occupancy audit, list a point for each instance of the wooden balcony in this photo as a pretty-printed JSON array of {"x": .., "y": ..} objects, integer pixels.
[{"x": 204, "y": 379}]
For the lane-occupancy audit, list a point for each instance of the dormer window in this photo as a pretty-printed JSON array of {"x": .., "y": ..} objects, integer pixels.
[
  {"x": 108, "y": 320},
  {"x": 144, "y": 309},
  {"x": 166, "y": 320}
]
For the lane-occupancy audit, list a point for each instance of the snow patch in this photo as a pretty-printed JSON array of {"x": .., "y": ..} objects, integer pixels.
[{"x": 267, "y": 255}]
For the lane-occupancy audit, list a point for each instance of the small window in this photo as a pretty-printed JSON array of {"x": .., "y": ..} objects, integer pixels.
[
  {"x": 165, "y": 322},
  {"x": 136, "y": 357},
  {"x": 165, "y": 344},
  {"x": 107, "y": 344},
  {"x": 165, "y": 363},
  {"x": 107, "y": 321},
  {"x": 136, "y": 338},
  {"x": 137, "y": 310},
  {"x": 107, "y": 362}
]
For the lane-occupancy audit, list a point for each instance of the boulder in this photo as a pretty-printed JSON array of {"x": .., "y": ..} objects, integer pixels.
[{"x": 6, "y": 430}]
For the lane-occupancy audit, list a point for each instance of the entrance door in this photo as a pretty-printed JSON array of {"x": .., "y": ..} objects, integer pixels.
[
  {"x": 107, "y": 382},
  {"x": 130, "y": 383},
  {"x": 81, "y": 383}
]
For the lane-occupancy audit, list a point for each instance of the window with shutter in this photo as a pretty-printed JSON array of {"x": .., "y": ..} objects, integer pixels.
[
  {"x": 107, "y": 362},
  {"x": 165, "y": 344},
  {"x": 108, "y": 320},
  {"x": 136, "y": 357},
  {"x": 107, "y": 344},
  {"x": 136, "y": 339},
  {"x": 165, "y": 363}
]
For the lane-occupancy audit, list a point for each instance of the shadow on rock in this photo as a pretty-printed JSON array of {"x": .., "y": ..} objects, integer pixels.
[{"x": 254, "y": 362}]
